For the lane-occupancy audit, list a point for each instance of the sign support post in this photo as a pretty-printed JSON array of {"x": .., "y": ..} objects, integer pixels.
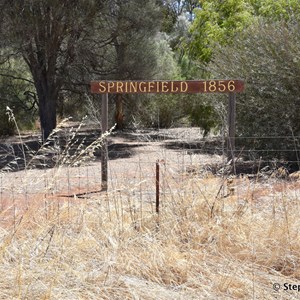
[
  {"x": 104, "y": 148},
  {"x": 231, "y": 127}
]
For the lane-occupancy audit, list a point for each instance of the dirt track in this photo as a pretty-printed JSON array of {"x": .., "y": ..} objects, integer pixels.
[
  {"x": 132, "y": 159},
  {"x": 133, "y": 155}
]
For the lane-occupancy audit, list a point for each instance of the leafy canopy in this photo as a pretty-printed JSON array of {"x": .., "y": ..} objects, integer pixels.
[{"x": 217, "y": 22}]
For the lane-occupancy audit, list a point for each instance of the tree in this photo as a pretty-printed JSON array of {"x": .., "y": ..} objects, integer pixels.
[
  {"x": 217, "y": 22},
  {"x": 163, "y": 110},
  {"x": 49, "y": 35},
  {"x": 134, "y": 27},
  {"x": 173, "y": 9},
  {"x": 16, "y": 92},
  {"x": 276, "y": 10}
]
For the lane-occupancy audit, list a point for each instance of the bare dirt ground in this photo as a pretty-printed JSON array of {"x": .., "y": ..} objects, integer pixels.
[
  {"x": 132, "y": 163},
  {"x": 217, "y": 236},
  {"x": 182, "y": 152}
]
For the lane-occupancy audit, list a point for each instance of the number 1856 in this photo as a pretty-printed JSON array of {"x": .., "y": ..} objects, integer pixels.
[{"x": 219, "y": 86}]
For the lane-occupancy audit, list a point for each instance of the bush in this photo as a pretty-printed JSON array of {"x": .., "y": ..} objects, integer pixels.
[
  {"x": 18, "y": 93},
  {"x": 6, "y": 127},
  {"x": 266, "y": 56}
]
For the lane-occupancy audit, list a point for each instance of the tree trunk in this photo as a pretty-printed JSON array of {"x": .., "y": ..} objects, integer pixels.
[
  {"x": 47, "y": 88},
  {"x": 47, "y": 96},
  {"x": 47, "y": 112}
]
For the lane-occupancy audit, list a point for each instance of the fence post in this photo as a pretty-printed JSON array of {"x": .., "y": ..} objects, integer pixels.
[
  {"x": 231, "y": 127},
  {"x": 104, "y": 149},
  {"x": 157, "y": 187}
]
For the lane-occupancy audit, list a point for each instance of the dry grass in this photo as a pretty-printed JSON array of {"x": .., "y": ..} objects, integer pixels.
[
  {"x": 203, "y": 245},
  {"x": 199, "y": 248}
]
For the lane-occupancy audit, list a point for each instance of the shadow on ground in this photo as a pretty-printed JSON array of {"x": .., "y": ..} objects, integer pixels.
[
  {"x": 16, "y": 156},
  {"x": 119, "y": 150},
  {"x": 211, "y": 146}
]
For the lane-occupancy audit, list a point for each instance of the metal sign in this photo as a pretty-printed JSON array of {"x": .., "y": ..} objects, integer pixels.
[{"x": 167, "y": 87}]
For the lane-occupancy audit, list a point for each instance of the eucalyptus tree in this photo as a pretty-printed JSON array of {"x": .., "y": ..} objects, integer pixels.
[
  {"x": 173, "y": 9},
  {"x": 217, "y": 22},
  {"x": 52, "y": 37},
  {"x": 134, "y": 26}
]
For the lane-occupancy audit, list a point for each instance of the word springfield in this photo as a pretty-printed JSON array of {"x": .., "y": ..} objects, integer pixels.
[{"x": 167, "y": 87}]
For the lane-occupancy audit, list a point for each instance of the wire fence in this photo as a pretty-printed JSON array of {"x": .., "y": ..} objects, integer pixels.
[{"x": 185, "y": 159}]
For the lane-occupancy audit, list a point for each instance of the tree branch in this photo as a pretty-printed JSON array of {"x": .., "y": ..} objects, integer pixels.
[{"x": 17, "y": 78}]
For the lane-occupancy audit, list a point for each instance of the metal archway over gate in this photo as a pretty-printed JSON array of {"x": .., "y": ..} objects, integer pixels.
[{"x": 230, "y": 87}]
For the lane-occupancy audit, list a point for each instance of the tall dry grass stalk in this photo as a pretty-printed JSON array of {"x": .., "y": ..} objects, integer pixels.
[
  {"x": 101, "y": 249},
  {"x": 207, "y": 246}
]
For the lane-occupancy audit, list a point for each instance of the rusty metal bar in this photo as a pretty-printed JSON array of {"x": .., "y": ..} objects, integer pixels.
[{"x": 157, "y": 187}]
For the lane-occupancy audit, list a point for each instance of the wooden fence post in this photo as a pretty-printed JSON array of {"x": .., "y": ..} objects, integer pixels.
[
  {"x": 104, "y": 149},
  {"x": 231, "y": 127}
]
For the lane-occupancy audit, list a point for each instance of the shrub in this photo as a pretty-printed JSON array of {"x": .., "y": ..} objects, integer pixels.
[{"x": 266, "y": 56}]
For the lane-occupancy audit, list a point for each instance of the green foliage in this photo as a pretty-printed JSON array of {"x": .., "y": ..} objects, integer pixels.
[
  {"x": 267, "y": 57},
  {"x": 221, "y": 29},
  {"x": 217, "y": 22},
  {"x": 16, "y": 92},
  {"x": 134, "y": 26},
  {"x": 173, "y": 10},
  {"x": 60, "y": 44},
  {"x": 162, "y": 111},
  {"x": 203, "y": 116},
  {"x": 167, "y": 67},
  {"x": 277, "y": 10},
  {"x": 132, "y": 53},
  {"x": 159, "y": 110}
]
